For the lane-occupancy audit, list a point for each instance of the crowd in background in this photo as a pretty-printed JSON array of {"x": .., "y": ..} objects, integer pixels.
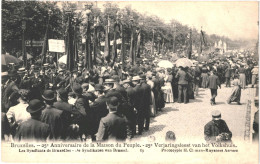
[{"x": 107, "y": 102}]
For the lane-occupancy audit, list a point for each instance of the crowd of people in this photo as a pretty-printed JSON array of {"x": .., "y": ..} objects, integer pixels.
[{"x": 106, "y": 102}]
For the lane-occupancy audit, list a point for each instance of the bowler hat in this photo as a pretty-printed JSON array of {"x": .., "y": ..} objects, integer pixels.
[
  {"x": 35, "y": 105},
  {"x": 77, "y": 89},
  {"x": 48, "y": 95},
  {"x": 113, "y": 102},
  {"x": 99, "y": 87},
  {"x": 216, "y": 114},
  {"x": 63, "y": 94}
]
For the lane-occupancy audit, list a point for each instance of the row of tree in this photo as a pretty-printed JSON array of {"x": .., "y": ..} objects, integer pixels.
[{"x": 167, "y": 37}]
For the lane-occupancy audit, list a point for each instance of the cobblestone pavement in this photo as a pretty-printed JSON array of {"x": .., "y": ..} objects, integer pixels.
[{"x": 187, "y": 120}]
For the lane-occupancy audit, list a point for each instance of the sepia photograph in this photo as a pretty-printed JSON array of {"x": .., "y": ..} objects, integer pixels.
[{"x": 129, "y": 81}]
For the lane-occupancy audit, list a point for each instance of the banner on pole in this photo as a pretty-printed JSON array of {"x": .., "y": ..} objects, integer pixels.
[{"x": 56, "y": 45}]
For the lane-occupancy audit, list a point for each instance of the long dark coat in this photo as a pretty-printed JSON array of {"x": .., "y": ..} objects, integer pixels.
[
  {"x": 53, "y": 118},
  {"x": 33, "y": 130}
]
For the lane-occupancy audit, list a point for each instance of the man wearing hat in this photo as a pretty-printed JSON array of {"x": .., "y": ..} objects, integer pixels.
[
  {"x": 214, "y": 83},
  {"x": 70, "y": 114},
  {"x": 11, "y": 87},
  {"x": 86, "y": 124},
  {"x": 18, "y": 114},
  {"x": 51, "y": 115},
  {"x": 146, "y": 101},
  {"x": 128, "y": 109},
  {"x": 33, "y": 129},
  {"x": 216, "y": 129},
  {"x": 182, "y": 77},
  {"x": 139, "y": 103},
  {"x": 99, "y": 105},
  {"x": 113, "y": 126}
]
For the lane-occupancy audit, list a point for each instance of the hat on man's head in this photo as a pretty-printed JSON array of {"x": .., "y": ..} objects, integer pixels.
[
  {"x": 113, "y": 102},
  {"x": 99, "y": 87},
  {"x": 63, "y": 94},
  {"x": 35, "y": 106},
  {"x": 77, "y": 89},
  {"x": 21, "y": 70},
  {"x": 46, "y": 65},
  {"x": 136, "y": 78},
  {"x": 48, "y": 95},
  {"x": 216, "y": 114},
  {"x": 109, "y": 81}
]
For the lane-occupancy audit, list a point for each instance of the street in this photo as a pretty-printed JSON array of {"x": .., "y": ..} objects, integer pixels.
[{"x": 187, "y": 120}]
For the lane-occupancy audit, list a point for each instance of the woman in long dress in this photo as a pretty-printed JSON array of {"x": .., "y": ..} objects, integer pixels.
[
  {"x": 168, "y": 87},
  {"x": 242, "y": 76},
  {"x": 236, "y": 92}
]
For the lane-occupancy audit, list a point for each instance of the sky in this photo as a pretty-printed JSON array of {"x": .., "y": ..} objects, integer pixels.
[{"x": 233, "y": 19}]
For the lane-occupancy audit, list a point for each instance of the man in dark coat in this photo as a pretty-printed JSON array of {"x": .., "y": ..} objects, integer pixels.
[
  {"x": 69, "y": 112},
  {"x": 146, "y": 101},
  {"x": 51, "y": 115},
  {"x": 86, "y": 125},
  {"x": 33, "y": 129},
  {"x": 99, "y": 106},
  {"x": 129, "y": 111},
  {"x": 213, "y": 85},
  {"x": 113, "y": 126},
  {"x": 217, "y": 130},
  {"x": 139, "y": 103},
  {"x": 10, "y": 89},
  {"x": 182, "y": 85},
  {"x": 227, "y": 76}
]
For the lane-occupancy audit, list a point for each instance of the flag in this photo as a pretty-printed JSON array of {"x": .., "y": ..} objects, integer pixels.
[
  {"x": 69, "y": 46},
  {"x": 114, "y": 50}
]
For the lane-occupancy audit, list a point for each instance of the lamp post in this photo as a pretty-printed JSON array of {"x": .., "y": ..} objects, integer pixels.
[{"x": 23, "y": 41}]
